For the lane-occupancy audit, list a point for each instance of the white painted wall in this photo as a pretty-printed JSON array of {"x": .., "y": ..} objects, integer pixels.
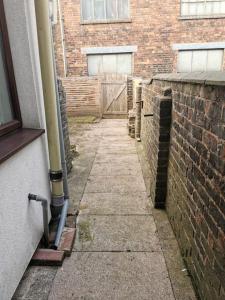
[{"x": 21, "y": 223}]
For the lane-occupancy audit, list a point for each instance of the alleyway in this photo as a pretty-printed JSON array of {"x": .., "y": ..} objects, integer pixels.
[
  {"x": 117, "y": 253},
  {"x": 124, "y": 249}
]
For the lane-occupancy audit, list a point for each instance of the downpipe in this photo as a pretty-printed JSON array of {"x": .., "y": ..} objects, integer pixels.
[
  {"x": 49, "y": 91},
  {"x": 64, "y": 211},
  {"x": 58, "y": 172},
  {"x": 61, "y": 225}
]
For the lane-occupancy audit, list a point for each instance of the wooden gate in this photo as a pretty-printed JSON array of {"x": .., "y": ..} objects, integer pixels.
[{"x": 114, "y": 96}]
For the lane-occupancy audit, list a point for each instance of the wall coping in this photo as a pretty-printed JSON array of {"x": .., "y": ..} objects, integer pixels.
[{"x": 205, "y": 78}]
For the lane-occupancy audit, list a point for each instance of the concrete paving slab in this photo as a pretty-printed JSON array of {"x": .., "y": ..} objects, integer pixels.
[
  {"x": 113, "y": 123},
  {"x": 77, "y": 185},
  {"x": 36, "y": 283},
  {"x": 115, "y": 132},
  {"x": 117, "y": 150},
  {"x": 89, "y": 149},
  {"x": 116, "y": 140},
  {"x": 108, "y": 169},
  {"x": 113, "y": 276},
  {"x": 116, "y": 233},
  {"x": 117, "y": 159},
  {"x": 118, "y": 145},
  {"x": 116, "y": 184},
  {"x": 120, "y": 204},
  {"x": 75, "y": 199},
  {"x": 119, "y": 138}
]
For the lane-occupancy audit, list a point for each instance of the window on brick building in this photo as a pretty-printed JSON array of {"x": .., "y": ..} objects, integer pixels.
[
  {"x": 100, "y": 10},
  {"x": 110, "y": 63},
  {"x": 200, "y": 60},
  {"x": 202, "y": 8}
]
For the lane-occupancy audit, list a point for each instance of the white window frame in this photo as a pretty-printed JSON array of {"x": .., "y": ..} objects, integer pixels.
[
  {"x": 199, "y": 46},
  {"x": 115, "y": 53},
  {"x": 192, "y": 52},
  {"x": 105, "y": 20},
  {"x": 129, "y": 49},
  {"x": 196, "y": 16}
]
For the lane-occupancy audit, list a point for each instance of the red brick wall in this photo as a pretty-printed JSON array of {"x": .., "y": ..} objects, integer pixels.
[
  {"x": 193, "y": 186},
  {"x": 154, "y": 28},
  {"x": 82, "y": 95}
]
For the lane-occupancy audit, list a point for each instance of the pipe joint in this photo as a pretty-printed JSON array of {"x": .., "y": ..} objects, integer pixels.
[
  {"x": 58, "y": 201},
  {"x": 56, "y": 176}
]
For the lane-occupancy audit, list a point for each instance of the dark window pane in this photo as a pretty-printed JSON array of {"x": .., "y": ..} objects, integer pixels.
[{"x": 6, "y": 112}]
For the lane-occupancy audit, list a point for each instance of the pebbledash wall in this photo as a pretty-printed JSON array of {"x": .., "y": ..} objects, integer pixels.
[
  {"x": 153, "y": 28},
  {"x": 183, "y": 135},
  {"x": 21, "y": 222}
]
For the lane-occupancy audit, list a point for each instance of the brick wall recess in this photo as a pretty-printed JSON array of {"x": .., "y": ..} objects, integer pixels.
[{"x": 195, "y": 199}]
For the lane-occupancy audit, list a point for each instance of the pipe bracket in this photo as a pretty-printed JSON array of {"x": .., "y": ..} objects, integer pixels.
[{"x": 148, "y": 115}]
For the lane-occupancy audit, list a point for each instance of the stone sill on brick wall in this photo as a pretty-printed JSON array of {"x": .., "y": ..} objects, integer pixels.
[
  {"x": 205, "y": 78},
  {"x": 105, "y": 22},
  {"x": 186, "y": 18}
]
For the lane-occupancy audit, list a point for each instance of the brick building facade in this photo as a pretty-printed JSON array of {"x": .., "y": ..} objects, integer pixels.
[{"x": 154, "y": 29}]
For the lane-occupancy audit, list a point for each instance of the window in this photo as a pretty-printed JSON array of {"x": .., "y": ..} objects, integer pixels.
[
  {"x": 10, "y": 117},
  {"x": 100, "y": 10},
  {"x": 200, "y": 60},
  {"x": 202, "y": 8},
  {"x": 110, "y": 63}
]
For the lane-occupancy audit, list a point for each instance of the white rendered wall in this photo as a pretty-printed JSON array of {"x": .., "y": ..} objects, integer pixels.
[{"x": 21, "y": 222}]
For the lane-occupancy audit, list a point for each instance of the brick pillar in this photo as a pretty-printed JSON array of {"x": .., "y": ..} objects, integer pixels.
[
  {"x": 129, "y": 93},
  {"x": 138, "y": 112},
  {"x": 163, "y": 118}
]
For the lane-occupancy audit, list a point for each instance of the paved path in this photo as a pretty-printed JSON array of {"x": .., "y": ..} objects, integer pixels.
[{"x": 117, "y": 254}]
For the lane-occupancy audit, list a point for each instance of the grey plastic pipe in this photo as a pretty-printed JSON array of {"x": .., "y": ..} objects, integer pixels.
[
  {"x": 64, "y": 212},
  {"x": 61, "y": 225},
  {"x": 44, "y": 203}
]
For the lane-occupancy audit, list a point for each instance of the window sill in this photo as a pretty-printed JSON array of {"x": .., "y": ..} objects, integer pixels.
[
  {"x": 12, "y": 143},
  {"x": 106, "y": 22},
  {"x": 201, "y": 17}
]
